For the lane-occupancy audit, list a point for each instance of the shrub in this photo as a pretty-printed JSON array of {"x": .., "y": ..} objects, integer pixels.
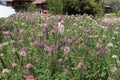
[
  {"x": 117, "y": 13},
  {"x": 55, "y": 6},
  {"x": 89, "y": 7},
  {"x": 31, "y": 7}
]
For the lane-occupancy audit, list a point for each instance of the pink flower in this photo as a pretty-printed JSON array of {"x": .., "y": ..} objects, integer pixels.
[
  {"x": 32, "y": 37},
  {"x": 67, "y": 49},
  {"x": 13, "y": 64},
  {"x": 113, "y": 69},
  {"x": 29, "y": 65},
  {"x": 25, "y": 49},
  {"x": 66, "y": 71},
  {"x": 5, "y": 71},
  {"x": 37, "y": 59},
  {"x": 6, "y": 32},
  {"x": 74, "y": 38},
  {"x": 22, "y": 53},
  {"x": 37, "y": 43},
  {"x": 80, "y": 65},
  {"x": 104, "y": 37},
  {"x": 25, "y": 71},
  {"x": 52, "y": 47},
  {"x": 45, "y": 25},
  {"x": 101, "y": 50},
  {"x": 30, "y": 78}
]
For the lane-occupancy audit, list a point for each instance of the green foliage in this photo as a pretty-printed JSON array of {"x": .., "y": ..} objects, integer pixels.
[
  {"x": 31, "y": 7},
  {"x": 117, "y": 13},
  {"x": 89, "y": 7},
  {"x": 55, "y": 6}
]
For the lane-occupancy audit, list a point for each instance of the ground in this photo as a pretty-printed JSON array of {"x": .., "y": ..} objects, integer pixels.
[{"x": 109, "y": 18}]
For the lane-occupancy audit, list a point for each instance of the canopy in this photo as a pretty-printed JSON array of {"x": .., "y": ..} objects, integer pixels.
[{"x": 6, "y": 11}]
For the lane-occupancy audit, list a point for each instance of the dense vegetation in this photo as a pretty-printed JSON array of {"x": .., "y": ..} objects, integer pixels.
[
  {"x": 90, "y": 7},
  {"x": 31, "y": 47}
]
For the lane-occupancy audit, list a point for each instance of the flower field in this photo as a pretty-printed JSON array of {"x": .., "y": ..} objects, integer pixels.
[{"x": 32, "y": 47}]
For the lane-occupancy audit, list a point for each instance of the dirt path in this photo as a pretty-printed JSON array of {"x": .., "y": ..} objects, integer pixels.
[{"x": 110, "y": 18}]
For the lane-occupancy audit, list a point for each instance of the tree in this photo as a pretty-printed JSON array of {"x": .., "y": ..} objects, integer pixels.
[
  {"x": 55, "y": 6},
  {"x": 89, "y": 7},
  {"x": 31, "y": 7}
]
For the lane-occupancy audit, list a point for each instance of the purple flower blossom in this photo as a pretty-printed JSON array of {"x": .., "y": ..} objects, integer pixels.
[
  {"x": 17, "y": 38},
  {"x": 37, "y": 60},
  {"x": 25, "y": 49},
  {"x": 101, "y": 50},
  {"x": 29, "y": 65},
  {"x": 113, "y": 69},
  {"x": 65, "y": 39},
  {"x": 88, "y": 36},
  {"x": 6, "y": 32},
  {"x": 32, "y": 37},
  {"x": 81, "y": 65},
  {"x": 45, "y": 25},
  {"x": 52, "y": 47},
  {"x": 74, "y": 38},
  {"x": 13, "y": 64},
  {"x": 67, "y": 49},
  {"x": 87, "y": 29},
  {"x": 22, "y": 53},
  {"x": 25, "y": 71},
  {"x": 43, "y": 30},
  {"x": 37, "y": 43}
]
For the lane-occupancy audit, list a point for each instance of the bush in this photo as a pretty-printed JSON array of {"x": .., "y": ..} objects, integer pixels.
[
  {"x": 55, "y": 6},
  {"x": 31, "y": 7},
  {"x": 89, "y": 7},
  {"x": 117, "y": 13}
]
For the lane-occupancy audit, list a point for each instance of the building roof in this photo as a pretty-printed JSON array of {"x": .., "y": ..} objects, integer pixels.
[
  {"x": 9, "y": 0},
  {"x": 39, "y": 1},
  {"x": 16, "y": 0}
]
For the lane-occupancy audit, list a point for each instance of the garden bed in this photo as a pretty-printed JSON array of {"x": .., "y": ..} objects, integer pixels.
[{"x": 32, "y": 47}]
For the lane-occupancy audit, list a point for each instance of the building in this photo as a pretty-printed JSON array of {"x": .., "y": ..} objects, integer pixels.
[
  {"x": 18, "y": 4},
  {"x": 108, "y": 9},
  {"x": 21, "y": 4}
]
